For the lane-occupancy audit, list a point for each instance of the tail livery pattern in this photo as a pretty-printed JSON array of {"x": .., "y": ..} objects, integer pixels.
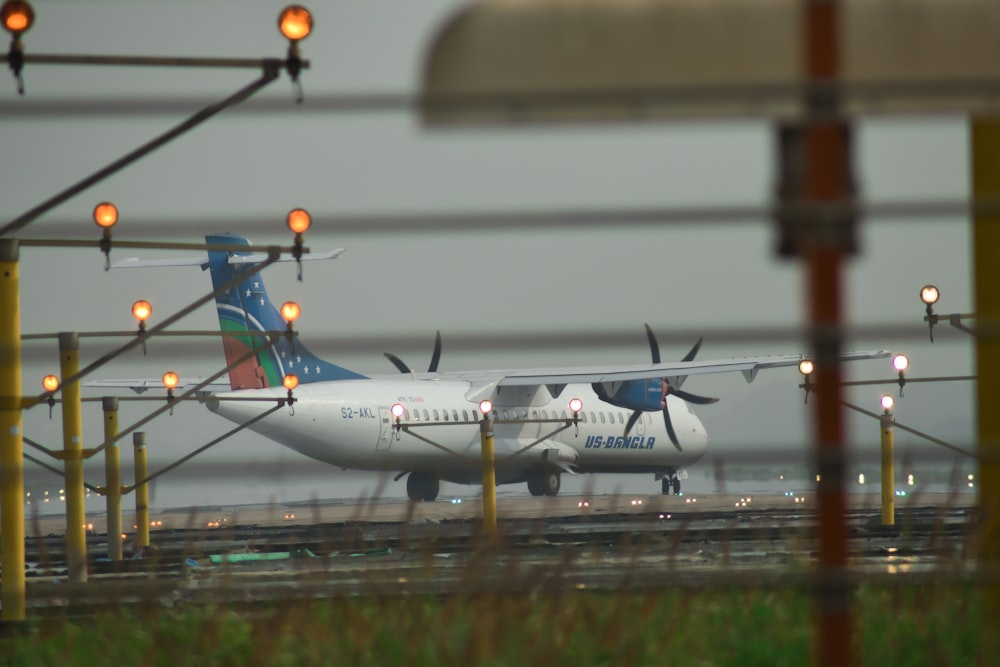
[{"x": 247, "y": 308}]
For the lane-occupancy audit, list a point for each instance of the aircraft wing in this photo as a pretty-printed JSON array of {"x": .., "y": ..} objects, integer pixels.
[{"x": 484, "y": 383}]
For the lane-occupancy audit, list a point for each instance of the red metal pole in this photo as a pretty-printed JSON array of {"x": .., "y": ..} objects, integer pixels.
[{"x": 827, "y": 181}]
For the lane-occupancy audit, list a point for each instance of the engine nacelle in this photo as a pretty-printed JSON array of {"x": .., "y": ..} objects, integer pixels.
[{"x": 647, "y": 395}]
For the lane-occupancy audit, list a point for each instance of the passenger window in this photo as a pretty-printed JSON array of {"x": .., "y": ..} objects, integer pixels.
[
  {"x": 444, "y": 414},
  {"x": 602, "y": 417},
  {"x": 583, "y": 417},
  {"x": 545, "y": 414},
  {"x": 427, "y": 416},
  {"x": 621, "y": 418},
  {"x": 454, "y": 414},
  {"x": 465, "y": 415},
  {"x": 436, "y": 417}
]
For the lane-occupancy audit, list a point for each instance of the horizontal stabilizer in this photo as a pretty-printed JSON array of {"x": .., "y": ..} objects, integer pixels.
[{"x": 202, "y": 261}]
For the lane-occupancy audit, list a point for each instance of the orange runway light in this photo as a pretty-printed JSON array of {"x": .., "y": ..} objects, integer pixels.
[
  {"x": 17, "y": 16},
  {"x": 295, "y": 22},
  {"x": 299, "y": 220},
  {"x": 105, "y": 214}
]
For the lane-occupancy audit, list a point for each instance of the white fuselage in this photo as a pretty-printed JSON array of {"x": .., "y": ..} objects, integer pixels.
[{"x": 348, "y": 424}]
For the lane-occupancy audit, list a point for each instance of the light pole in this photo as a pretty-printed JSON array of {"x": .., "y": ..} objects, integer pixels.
[{"x": 888, "y": 474}]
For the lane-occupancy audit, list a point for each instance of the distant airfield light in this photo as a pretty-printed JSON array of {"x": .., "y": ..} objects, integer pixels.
[
  {"x": 861, "y": 478},
  {"x": 105, "y": 214},
  {"x": 575, "y": 404},
  {"x": 295, "y": 23},
  {"x": 486, "y": 406},
  {"x": 299, "y": 220},
  {"x": 900, "y": 362},
  {"x": 50, "y": 383},
  {"x": 290, "y": 381},
  {"x": 17, "y": 16},
  {"x": 290, "y": 311},
  {"x": 887, "y": 402},
  {"x": 397, "y": 410},
  {"x": 171, "y": 380},
  {"x": 929, "y": 294},
  {"x": 806, "y": 367}
]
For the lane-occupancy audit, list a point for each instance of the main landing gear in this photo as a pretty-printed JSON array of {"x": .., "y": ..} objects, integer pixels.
[
  {"x": 421, "y": 486},
  {"x": 544, "y": 482},
  {"x": 670, "y": 481}
]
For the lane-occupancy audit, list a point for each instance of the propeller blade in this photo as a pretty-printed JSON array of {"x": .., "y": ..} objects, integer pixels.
[
  {"x": 436, "y": 357},
  {"x": 654, "y": 347},
  {"x": 693, "y": 398},
  {"x": 397, "y": 362},
  {"x": 670, "y": 429},
  {"x": 694, "y": 351},
  {"x": 633, "y": 418}
]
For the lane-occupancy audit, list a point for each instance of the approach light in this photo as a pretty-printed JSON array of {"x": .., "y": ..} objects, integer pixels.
[
  {"x": 105, "y": 215},
  {"x": 50, "y": 383},
  {"x": 806, "y": 367},
  {"x": 900, "y": 362},
  {"x": 141, "y": 310},
  {"x": 290, "y": 311},
  {"x": 575, "y": 405},
  {"x": 171, "y": 380},
  {"x": 17, "y": 16},
  {"x": 397, "y": 410},
  {"x": 929, "y": 294},
  {"x": 290, "y": 381},
  {"x": 295, "y": 23},
  {"x": 299, "y": 220},
  {"x": 887, "y": 402},
  {"x": 486, "y": 406}
]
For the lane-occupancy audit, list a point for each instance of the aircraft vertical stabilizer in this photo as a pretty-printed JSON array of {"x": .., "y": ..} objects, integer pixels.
[{"x": 247, "y": 308}]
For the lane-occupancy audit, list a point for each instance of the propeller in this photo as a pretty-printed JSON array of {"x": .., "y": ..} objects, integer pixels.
[
  {"x": 435, "y": 358},
  {"x": 654, "y": 349}
]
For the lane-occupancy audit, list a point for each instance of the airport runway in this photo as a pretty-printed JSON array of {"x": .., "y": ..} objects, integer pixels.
[{"x": 254, "y": 554}]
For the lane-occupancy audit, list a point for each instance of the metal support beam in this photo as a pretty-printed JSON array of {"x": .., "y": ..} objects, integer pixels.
[
  {"x": 72, "y": 413},
  {"x": 985, "y": 248},
  {"x": 11, "y": 438},
  {"x": 141, "y": 492},
  {"x": 270, "y": 73},
  {"x": 113, "y": 478}
]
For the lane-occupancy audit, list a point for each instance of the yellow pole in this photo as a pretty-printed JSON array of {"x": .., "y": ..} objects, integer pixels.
[
  {"x": 112, "y": 478},
  {"x": 985, "y": 249},
  {"x": 72, "y": 411},
  {"x": 11, "y": 438},
  {"x": 489, "y": 477},
  {"x": 888, "y": 474},
  {"x": 141, "y": 492}
]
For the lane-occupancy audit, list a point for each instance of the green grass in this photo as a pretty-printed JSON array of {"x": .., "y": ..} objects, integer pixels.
[{"x": 905, "y": 626}]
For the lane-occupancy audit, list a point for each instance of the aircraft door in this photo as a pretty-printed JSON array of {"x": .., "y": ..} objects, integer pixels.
[
  {"x": 384, "y": 429},
  {"x": 640, "y": 426}
]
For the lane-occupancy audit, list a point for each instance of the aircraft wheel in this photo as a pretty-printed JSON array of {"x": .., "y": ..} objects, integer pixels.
[
  {"x": 536, "y": 485},
  {"x": 420, "y": 486},
  {"x": 665, "y": 486},
  {"x": 552, "y": 482},
  {"x": 677, "y": 486}
]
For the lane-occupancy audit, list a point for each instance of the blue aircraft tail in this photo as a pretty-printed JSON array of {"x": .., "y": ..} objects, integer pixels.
[{"x": 247, "y": 308}]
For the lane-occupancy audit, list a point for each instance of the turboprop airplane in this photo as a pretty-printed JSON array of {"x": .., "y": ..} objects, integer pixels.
[{"x": 635, "y": 418}]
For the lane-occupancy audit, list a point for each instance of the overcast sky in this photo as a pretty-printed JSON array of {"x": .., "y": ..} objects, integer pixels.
[{"x": 238, "y": 170}]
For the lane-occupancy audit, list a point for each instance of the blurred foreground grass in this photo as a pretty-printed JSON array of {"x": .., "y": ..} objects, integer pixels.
[{"x": 926, "y": 625}]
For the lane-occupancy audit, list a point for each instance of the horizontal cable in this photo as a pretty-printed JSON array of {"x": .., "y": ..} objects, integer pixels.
[
  {"x": 377, "y": 341},
  {"x": 478, "y": 222}
]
